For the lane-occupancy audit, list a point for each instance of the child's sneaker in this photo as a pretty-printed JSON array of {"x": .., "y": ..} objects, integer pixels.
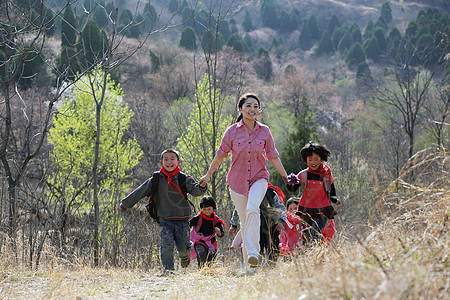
[{"x": 185, "y": 262}]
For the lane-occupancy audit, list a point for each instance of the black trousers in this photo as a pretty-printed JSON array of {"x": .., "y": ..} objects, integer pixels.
[
  {"x": 204, "y": 255},
  {"x": 269, "y": 243}
]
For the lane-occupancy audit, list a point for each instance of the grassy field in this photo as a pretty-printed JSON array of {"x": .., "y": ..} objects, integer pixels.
[{"x": 402, "y": 254}]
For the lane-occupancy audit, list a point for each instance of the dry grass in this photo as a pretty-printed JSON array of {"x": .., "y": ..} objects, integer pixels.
[{"x": 402, "y": 255}]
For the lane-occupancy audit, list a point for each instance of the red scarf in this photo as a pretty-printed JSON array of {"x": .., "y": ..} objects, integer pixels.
[
  {"x": 278, "y": 190},
  {"x": 213, "y": 218},
  {"x": 321, "y": 171},
  {"x": 169, "y": 179}
]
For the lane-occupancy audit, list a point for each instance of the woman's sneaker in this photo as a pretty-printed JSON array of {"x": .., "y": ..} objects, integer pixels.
[{"x": 253, "y": 261}]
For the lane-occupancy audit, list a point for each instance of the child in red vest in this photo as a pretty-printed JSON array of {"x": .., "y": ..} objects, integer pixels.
[
  {"x": 318, "y": 188},
  {"x": 206, "y": 226}
]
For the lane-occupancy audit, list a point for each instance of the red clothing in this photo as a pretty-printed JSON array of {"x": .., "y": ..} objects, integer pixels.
[
  {"x": 248, "y": 163},
  {"x": 291, "y": 238},
  {"x": 328, "y": 232},
  {"x": 315, "y": 195}
]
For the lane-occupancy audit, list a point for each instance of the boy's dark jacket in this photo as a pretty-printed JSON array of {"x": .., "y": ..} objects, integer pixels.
[{"x": 170, "y": 203}]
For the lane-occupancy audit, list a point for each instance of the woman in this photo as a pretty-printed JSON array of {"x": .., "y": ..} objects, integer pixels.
[{"x": 248, "y": 177}]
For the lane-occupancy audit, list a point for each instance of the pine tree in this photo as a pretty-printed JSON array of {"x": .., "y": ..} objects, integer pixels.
[
  {"x": 368, "y": 29},
  {"x": 305, "y": 39},
  {"x": 68, "y": 62},
  {"x": 363, "y": 70},
  {"x": 188, "y": 39},
  {"x": 313, "y": 27},
  {"x": 356, "y": 32},
  {"x": 378, "y": 33},
  {"x": 68, "y": 25},
  {"x": 333, "y": 24},
  {"x": 247, "y": 23},
  {"x": 372, "y": 48},
  {"x": 386, "y": 12},
  {"x": 263, "y": 64},
  {"x": 93, "y": 43},
  {"x": 355, "y": 55},
  {"x": 173, "y": 6},
  {"x": 394, "y": 33},
  {"x": 235, "y": 42},
  {"x": 305, "y": 131},
  {"x": 269, "y": 14},
  {"x": 211, "y": 42},
  {"x": 100, "y": 17},
  {"x": 345, "y": 43},
  {"x": 325, "y": 44}
]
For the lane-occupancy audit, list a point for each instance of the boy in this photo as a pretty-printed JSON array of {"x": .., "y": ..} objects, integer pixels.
[
  {"x": 205, "y": 227},
  {"x": 272, "y": 214},
  {"x": 172, "y": 205}
]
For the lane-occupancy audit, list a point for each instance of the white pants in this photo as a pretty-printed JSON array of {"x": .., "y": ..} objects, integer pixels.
[{"x": 248, "y": 210}]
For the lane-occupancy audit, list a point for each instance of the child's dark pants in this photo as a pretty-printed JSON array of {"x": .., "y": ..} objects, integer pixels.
[
  {"x": 314, "y": 234},
  {"x": 204, "y": 254},
  {"x": 174, "y": 232},
  {"x": 269, "y": 243}
]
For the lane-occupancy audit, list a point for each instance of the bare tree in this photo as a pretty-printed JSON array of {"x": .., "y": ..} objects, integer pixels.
[
  {"x": 408, "y": 88},
  {"x": 112, "y": 56},
  {"x": 24, "y": 43},
  {"x": 437, "y": 112},
  {"x": 225, "y": 71}
]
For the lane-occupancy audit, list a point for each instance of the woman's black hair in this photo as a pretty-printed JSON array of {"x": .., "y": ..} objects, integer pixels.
[
  {"x": 242, "y": 101},
  {"x": 317, "y": 148},
  {"x": 292, "y": 200},
  {"x": 207, "y": 201}
]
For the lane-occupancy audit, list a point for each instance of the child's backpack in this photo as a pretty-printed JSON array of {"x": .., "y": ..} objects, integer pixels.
[
  {"x": 278, "y": 191},
  {"x": 326, "y": 182},
  {"x": 151, "y": 206}
]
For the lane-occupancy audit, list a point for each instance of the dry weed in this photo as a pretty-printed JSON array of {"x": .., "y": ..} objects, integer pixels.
[{"x": 403, "y": 254}]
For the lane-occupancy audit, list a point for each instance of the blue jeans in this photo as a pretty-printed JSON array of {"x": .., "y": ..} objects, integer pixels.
[{"x": 174, "y": 232}]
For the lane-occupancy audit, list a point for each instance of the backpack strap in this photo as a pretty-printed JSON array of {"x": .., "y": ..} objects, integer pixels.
[
  {"x": 327, "y": 184},
  {"x": 182, "y": 184},
  {"x": 303, "y": 179},
  {"x": 155, "y": 183},
  {"x": 199, "y": 224}
]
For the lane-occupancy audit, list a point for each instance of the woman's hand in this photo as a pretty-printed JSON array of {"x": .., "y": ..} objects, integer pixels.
[
  {"x": 214, "y": 165},
  {"x": 204, "y": 180}
]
